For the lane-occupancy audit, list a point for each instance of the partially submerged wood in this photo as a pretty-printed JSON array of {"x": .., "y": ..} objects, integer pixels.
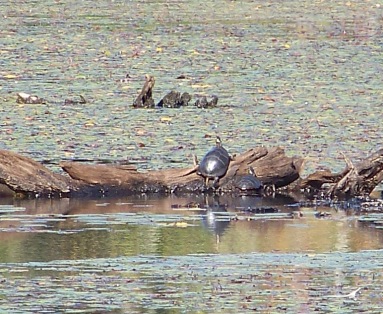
[
  {"x": 204, "y": 103},
  {"x": 24, "y": 98},
  {"x": 113, "y": 179},
  {"x": 272, "y": 166},
  {"x": 145, "y": 98},
  {"x": 26, "y": 176},
  {"x": 174, "y": 99},
  {"x": 80, "y": 101},
  {"x": 354, "y": 180}
]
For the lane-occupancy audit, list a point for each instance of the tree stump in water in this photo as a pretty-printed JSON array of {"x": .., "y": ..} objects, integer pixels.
[
  {"x": 174, "y": 99},
  {"x": 145, "y": 98}
]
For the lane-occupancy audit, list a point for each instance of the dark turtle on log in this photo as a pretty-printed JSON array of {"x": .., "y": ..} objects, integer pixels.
[
  {"x": 249, "y": 183},
  {"x": 214, "y": 164}
]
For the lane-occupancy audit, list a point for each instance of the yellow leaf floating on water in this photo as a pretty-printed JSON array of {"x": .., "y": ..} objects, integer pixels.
[
  {"x": 10, "y": 76},
  {"x": 181, "y": 224},
  {"x": 287, "y": 46},
  {"x": 178, "y": 224},
  {"x": 89, "y": 124},
  {"x": 166, "y": 119},
  {"x": 200, "y": 85},
  {"x": 159, "y": 49},
  {"x": 169, "y": 140}
]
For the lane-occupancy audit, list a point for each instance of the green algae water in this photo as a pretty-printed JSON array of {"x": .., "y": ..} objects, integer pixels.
[{"x": 302, "y": 75}]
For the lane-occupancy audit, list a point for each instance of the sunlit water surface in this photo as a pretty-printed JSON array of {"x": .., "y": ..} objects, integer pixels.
[
  {"x": 305, "y": 75},
  {"x": 140, "y": 254},
  {"x": 45, "y": 230}
]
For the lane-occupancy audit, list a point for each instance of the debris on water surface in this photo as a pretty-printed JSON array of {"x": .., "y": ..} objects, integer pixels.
[
  {"x": 351, "y": 295},
  {"x": 24, "y": 98},
  {"x": 202, "y": 282},
  {"x": 322, "y": 214},
  {"x": 80, "y": 101}
]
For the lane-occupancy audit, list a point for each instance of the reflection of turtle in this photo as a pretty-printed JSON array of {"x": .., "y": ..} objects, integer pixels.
[
  {"x": 215, "y": 163},
  {"x": 217, "y": 219},
  {"x": 249, "y": 183}
]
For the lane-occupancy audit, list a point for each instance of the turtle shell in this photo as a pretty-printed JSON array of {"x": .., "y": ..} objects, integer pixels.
[
  {"x": 215, "y": 163},
  {"x": 249, "y": 183}
]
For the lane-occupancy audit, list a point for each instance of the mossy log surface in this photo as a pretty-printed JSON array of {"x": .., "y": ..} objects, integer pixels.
[{"x": 25, "y": 176}]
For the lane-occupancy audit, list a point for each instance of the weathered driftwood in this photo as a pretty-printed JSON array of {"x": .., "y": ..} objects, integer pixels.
[
  {"x": 204, "y": 103},
  {"x": 24, "y": 98},
  {"x": 24, "y": 175},
  {"x": 145, "y": 98},
  {"x": 27, "y": 177},
  {"x": 80, "y": 101},
  {"x": 272, "y": 166},
  {"x": 174, "y": 99},
  {"x": 354, "y": 180}
]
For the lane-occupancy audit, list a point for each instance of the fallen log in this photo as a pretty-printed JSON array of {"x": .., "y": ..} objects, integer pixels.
[
  {"x": 25, "y": 176},
  {"x": 28, "y": 177},
  {"x": 272, "y": 167}
]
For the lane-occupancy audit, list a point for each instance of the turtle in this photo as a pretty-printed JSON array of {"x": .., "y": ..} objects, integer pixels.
[
  {"x": 249, "y": 183},
  {"x": 215, "y": 163}
]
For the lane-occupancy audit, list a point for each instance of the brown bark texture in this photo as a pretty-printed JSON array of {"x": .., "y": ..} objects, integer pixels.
[{"x": 24, "y": 176}]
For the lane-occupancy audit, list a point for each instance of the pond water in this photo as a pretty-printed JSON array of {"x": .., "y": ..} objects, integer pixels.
[
  {"x": 144, "y": 254},
  {"x": 45, "y": 230},
  {"x": 305, "y": 75}
]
